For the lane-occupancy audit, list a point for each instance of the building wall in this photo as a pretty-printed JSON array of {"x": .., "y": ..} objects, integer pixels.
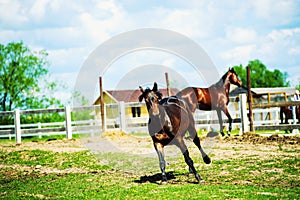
[{"x": 113, "y": 112}]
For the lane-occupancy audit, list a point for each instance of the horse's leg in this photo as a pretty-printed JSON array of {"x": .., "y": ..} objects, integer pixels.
[
  {"x": 196, "y": 141},
  {"x": 220, "y": 121},
  {"x": 289, "y": 115},
  {"x": 229, "y": 120},
  {"x": 187, "y": 158},
  {"x": 162, "y": 163},
  {"x": 281, "y": 115}
]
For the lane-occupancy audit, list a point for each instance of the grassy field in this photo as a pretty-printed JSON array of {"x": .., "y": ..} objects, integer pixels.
[{"x": 65, "y": 170}]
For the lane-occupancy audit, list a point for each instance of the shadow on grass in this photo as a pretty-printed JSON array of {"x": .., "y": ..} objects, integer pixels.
[{"x": 156, "y": 179}]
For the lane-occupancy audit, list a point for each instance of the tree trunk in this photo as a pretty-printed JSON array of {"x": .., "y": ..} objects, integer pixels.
[{"x": 3, "y": 102}]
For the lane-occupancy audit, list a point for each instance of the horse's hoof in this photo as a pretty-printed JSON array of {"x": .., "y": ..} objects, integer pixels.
[
  {"x": 207, "y": 159},
  {"x": 164, "y": 182},
  {"x": 199, "y": 179},
  {"x": 164, "y": 179},
  {"x": 222, "y": 134}
]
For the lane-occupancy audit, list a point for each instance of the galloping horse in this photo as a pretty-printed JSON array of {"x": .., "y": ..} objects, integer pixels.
[
  {"x": 215, "y": 97},
  {"x": 169, "y": 120}
]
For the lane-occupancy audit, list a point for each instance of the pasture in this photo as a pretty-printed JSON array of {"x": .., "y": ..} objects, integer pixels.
[{"x": 120, "y": 166}]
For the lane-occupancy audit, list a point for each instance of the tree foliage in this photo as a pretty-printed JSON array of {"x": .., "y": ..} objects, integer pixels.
[
  {"x": 20, "y": 73},
  {"x": 261, "y": 76},
  {"x": 298, "y": 86}
]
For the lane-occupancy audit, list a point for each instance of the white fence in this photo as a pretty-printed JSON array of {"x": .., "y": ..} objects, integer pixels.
[
  {"x": 67, "y": 127},
  {"x": 92, "y": 124}
]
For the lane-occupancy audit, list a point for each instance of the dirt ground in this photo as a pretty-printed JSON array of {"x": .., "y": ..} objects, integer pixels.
[
  {"x": 218, "y": 148},
  {"x": 246, "y": 144}
]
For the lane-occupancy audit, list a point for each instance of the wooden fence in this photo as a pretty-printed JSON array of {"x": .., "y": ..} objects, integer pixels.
[
  {"x": 92, "y": 125},
  {"x": 271, "y": 124}
]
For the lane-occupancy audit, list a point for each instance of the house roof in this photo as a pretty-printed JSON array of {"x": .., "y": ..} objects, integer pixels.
[
  {"x": 129, "y": 96},
  {"x": 239, "y": 90},
  {"x": 262, "y": 91},
  {"x": 289, "y": 90}
]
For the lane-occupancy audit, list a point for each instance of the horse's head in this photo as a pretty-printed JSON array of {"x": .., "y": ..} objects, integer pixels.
[
  {"x": 151, "y": 98},
  {"x": 233, "y": 78}
]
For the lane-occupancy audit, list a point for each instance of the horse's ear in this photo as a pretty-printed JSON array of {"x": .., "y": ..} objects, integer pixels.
[
  {"x": 142, "y": 95},
  {"x": 155, "y": 87},
  {"x": 141, "y": 89}
]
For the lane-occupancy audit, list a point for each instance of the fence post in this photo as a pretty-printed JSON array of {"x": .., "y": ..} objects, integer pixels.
[
  {"x": 294, "y": 119},
  {"x": 92, "y": 131},
  {"x": 68, "y": 122},
  {"x": 277, "y": 118},
  {"x": 122, "y": 116},
  {"x": 294, "y": 114},
  {"x": 104, "y": 128},
  {"x": 17, "y": 126},
  {"x": 243, "y": 110},
  {"x": 39, "y": 127}
]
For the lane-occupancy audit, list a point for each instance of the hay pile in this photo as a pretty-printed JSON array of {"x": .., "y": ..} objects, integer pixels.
[{"x": 258, "y": 139}]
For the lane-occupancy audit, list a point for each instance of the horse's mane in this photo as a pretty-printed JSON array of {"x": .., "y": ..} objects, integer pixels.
[{"x": 222, "y": 80}]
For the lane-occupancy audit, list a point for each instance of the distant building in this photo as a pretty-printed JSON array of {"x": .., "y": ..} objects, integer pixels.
[
  {"x": 263, "y": 95},
  {"x": 134, "y": 108}
]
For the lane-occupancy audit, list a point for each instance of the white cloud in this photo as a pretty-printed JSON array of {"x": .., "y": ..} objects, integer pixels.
[
  {"x": 188, "y": 22},
  {"x": 282, "y": 34},
  {"x": 241, "y": 35},
  {"x": 278, "y": 12},
  {"x": 66, "y": 60},
  {"x": 100, "y": 28},
  {"x": 294, "y": 51},
  {"x": 12, "y": 14},
  {"x": 239, "y": 54},
  {"x": 38, "y": 9},
  {"x": 279, "y": 46}
]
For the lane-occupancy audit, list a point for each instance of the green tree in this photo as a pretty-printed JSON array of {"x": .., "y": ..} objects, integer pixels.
[
  {"x": 298, "y": 87},
  {"x": 20, "y": 73},
  {"x": 261, "y": 76}
]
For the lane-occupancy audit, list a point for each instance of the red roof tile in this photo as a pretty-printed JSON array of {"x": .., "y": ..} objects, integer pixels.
[{"x": 133, "y": 95}]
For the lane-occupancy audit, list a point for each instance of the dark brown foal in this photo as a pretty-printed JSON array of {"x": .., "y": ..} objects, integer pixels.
[{"x": 169, "y": 120}]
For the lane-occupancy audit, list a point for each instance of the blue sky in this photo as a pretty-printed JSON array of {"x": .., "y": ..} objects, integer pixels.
[{"x": 232, "y": 32}]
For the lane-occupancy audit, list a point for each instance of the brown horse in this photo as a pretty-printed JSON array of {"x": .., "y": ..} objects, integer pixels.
[
  {"x": 169, "y": 120},
  {"x": 286, "y": 113},
  {"x": 215, "y": 97}
]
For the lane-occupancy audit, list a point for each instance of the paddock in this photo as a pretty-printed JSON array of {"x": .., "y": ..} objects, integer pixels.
[{"x": 243, "y": 167}]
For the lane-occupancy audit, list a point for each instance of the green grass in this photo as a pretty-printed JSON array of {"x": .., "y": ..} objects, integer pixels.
[
  {"x": 32, "y": 158},
  {"x": 44, "y": 138},
  {"x": 123, "y": 176}
]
